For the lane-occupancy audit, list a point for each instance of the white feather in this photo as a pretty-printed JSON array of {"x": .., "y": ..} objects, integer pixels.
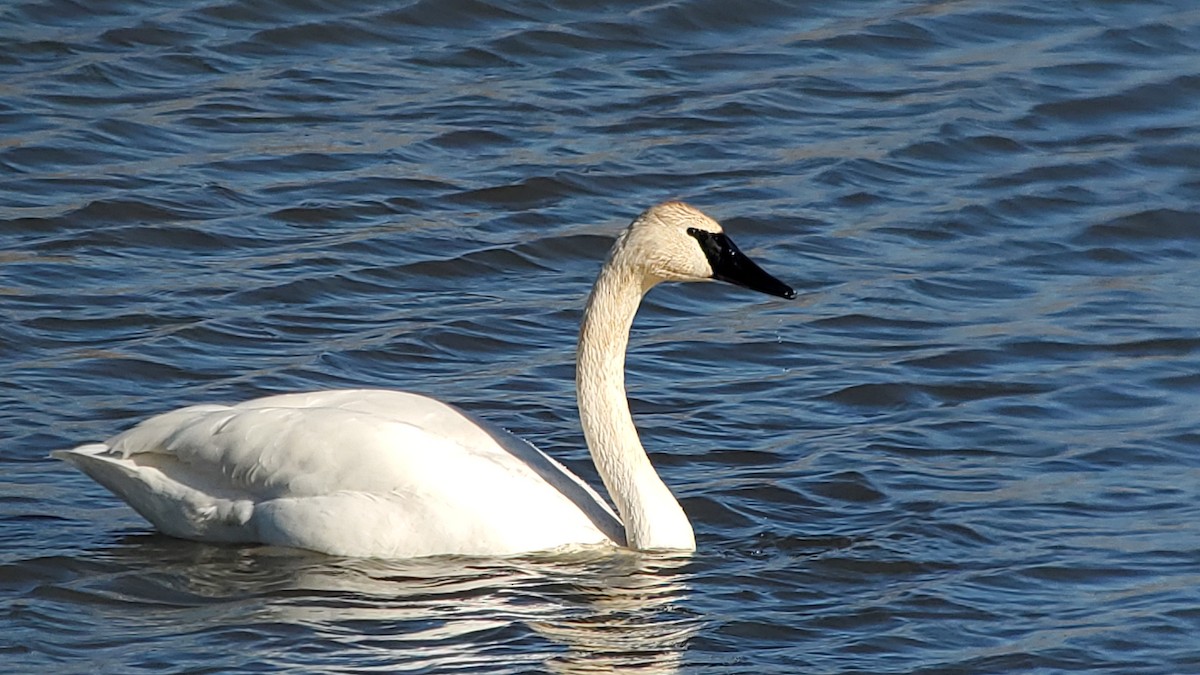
[{"x": 352, "y": 472}]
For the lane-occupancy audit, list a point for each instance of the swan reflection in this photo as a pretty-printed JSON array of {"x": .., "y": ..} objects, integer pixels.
[{"x": 585, "y": 612}]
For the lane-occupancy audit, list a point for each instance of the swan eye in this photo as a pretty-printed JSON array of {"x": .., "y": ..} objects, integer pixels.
[{"x": 709, "y": 243}]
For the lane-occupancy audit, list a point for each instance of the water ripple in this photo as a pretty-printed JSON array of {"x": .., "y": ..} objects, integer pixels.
[{"x": 969, "y": 446}]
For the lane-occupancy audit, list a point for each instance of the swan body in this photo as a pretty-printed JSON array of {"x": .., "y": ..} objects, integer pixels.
[
  {"x": 350, "y": 472},
  {"x": 379, "y": 473}
]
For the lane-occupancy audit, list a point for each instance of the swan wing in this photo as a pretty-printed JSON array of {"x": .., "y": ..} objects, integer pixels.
[{"x": 351, "y": 472}]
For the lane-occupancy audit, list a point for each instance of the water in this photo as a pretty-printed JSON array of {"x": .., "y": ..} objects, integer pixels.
[{"x": 971, "y": 446}]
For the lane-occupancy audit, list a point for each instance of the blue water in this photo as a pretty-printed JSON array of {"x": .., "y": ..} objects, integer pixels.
[{"x": 971, "y": 446}]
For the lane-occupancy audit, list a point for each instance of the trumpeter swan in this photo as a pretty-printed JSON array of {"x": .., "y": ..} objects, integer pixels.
[{"x": 391, "y": 474}]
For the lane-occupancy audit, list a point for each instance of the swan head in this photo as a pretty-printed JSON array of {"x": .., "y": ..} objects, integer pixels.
[{"x": 674, "y": 241}]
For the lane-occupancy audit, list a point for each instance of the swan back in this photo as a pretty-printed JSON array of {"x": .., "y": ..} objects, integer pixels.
[{"x": 352, "y": 472}]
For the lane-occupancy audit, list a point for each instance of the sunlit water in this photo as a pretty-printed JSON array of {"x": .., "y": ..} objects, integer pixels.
[{"x": 972, "y": 445}]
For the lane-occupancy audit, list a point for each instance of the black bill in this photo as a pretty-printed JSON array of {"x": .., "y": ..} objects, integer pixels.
[{"x": 731, "y": 265}]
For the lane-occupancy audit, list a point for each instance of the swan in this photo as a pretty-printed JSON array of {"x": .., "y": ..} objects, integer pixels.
[{"x": 390, "y": 474}]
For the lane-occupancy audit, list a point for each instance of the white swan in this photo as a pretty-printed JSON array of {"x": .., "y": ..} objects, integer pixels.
[{"x": 391, "y": 474}]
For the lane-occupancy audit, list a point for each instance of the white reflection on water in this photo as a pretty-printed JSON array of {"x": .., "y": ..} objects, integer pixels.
[
  {"x": 580, "y": 612},
  {"x": 634, "y": 621}
]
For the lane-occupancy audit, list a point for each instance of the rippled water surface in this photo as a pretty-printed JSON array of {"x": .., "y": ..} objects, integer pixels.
[{"x": 972, "y": 445}]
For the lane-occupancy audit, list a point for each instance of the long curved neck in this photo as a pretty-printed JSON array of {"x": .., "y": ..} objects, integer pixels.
[{"x": 652, "y": 516}]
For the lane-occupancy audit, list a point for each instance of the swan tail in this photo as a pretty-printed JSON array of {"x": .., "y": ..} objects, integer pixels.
[{"x": 174, "y": 507}]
